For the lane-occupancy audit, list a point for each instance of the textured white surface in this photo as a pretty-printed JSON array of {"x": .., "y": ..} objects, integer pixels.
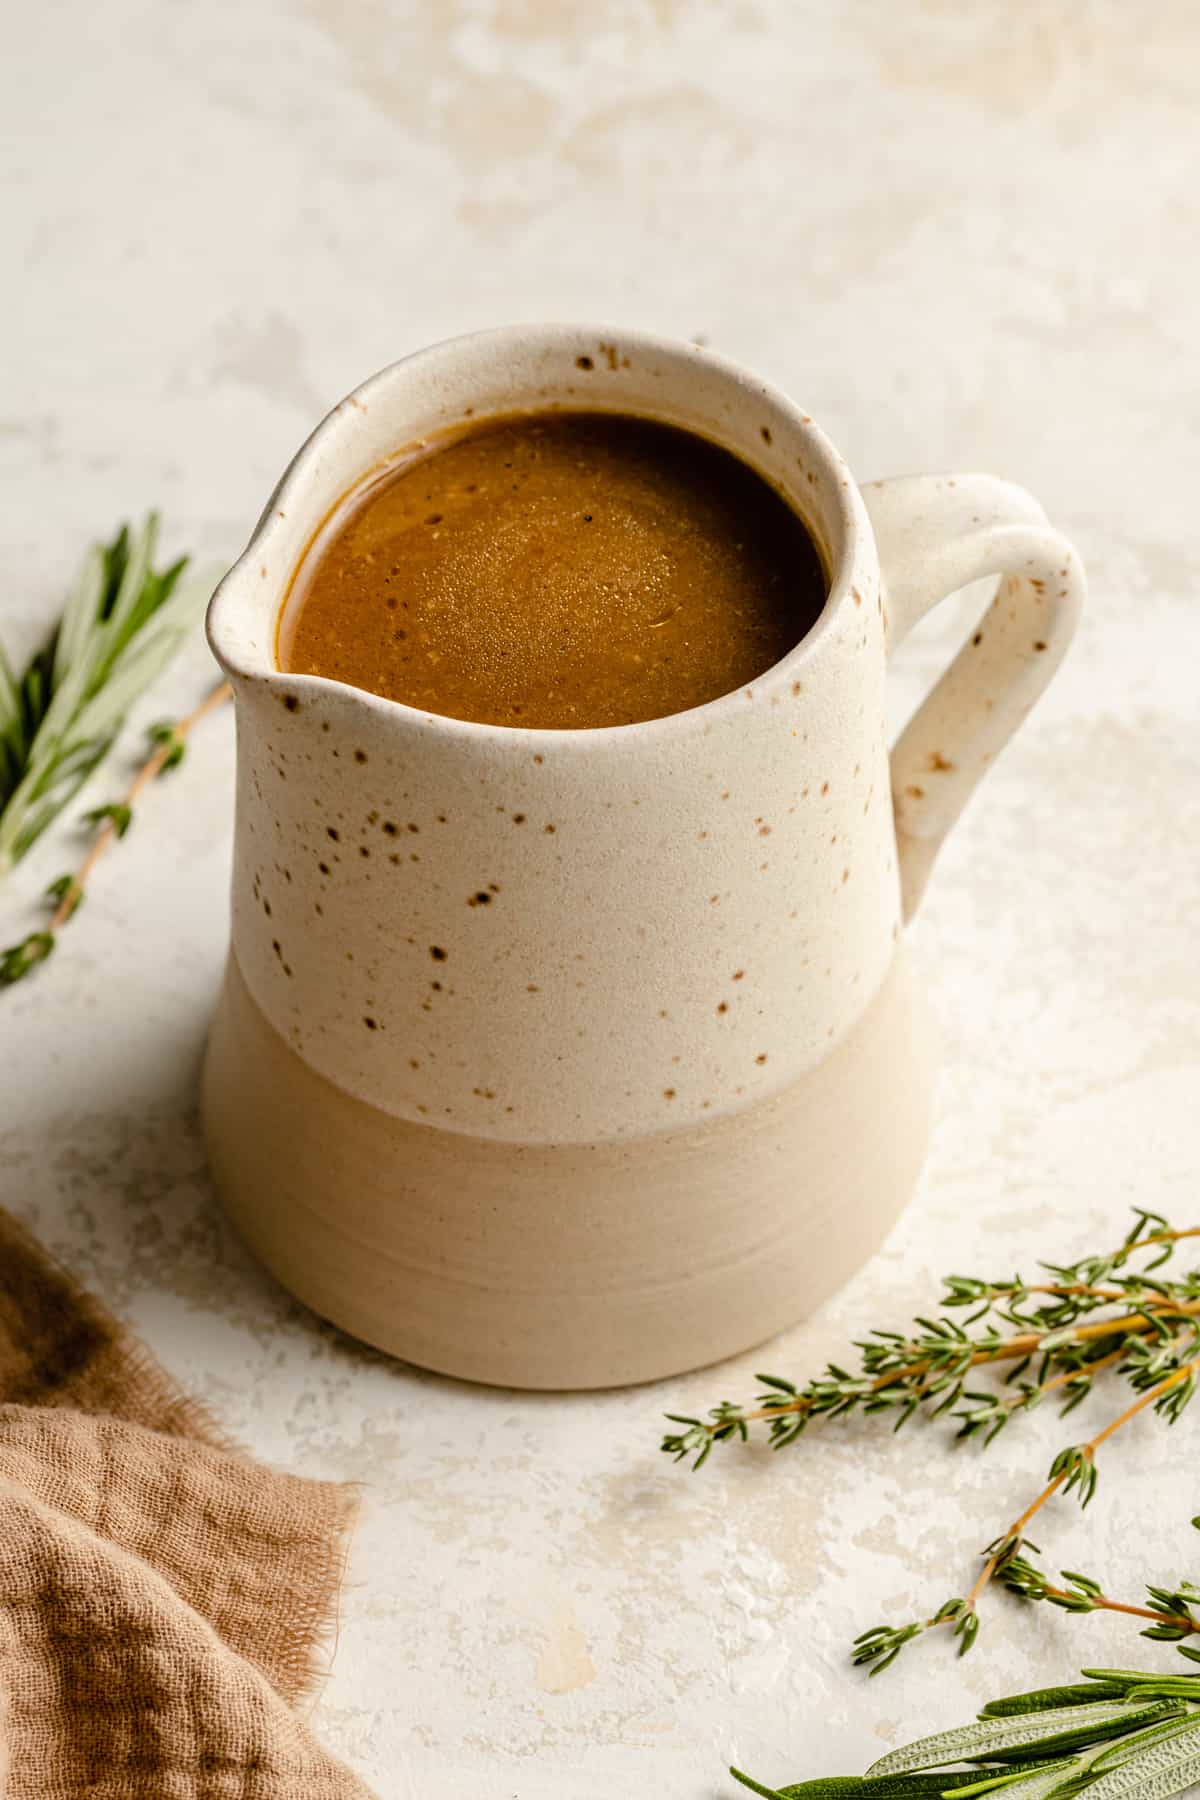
[{"x": 958, "y": 234}]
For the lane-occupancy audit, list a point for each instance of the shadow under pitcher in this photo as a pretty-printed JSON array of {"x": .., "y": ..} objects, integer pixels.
[{"x": 671, "y": 1085}]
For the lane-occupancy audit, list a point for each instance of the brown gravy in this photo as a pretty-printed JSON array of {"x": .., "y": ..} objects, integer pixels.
[{"x": 556, "y": 569}]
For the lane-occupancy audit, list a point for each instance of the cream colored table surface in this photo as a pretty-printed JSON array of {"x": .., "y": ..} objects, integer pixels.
[{"x": 962, "y": 235}]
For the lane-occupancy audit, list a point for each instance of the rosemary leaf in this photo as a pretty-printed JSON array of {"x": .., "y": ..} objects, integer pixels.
[
  {"x": 110, "y": 823},
  {"x": 866, "y": 1787},
  {"x": 1022, "y": 1735},
  {"x": 1138, "y": 1739},
  {"x": 121, "y": 625},
  {"x": 1169, "y": 1765}
]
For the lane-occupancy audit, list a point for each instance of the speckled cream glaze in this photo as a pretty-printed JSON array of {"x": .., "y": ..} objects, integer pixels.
[
  {"x": 579, "y": 937},
  {"x": 568, "y": 935}
]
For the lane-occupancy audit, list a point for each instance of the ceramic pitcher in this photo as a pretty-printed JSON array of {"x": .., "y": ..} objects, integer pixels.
[{"x": 569, "y": 1058}]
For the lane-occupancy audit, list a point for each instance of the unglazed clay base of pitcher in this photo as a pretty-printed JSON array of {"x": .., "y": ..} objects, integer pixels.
[{"x": 571, "y": 1266}]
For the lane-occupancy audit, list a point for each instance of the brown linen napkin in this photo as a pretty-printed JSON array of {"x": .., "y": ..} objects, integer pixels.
[{"x": 162, "y": 1597}]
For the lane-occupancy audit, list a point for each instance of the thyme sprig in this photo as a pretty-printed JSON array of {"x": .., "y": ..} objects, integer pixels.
[
  {"x": 111, "y": 821},
  {"x": 1072, "y": 1471},
  {"x": 1094, "y": 1316},
  {"x": 1113, "y": 1314},
  {"x": 1174, "y": 1612},
  {"x": 1120, "y": 1734}
]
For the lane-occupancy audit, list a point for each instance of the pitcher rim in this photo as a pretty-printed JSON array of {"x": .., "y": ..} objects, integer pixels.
[{"x": 849, "y": 513}]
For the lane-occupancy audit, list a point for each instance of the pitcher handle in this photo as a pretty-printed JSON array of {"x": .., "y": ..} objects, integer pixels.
[{"x": 936, "y": 533}]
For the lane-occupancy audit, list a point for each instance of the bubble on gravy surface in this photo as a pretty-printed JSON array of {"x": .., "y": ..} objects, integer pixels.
[{"x": 555, "y": 570}]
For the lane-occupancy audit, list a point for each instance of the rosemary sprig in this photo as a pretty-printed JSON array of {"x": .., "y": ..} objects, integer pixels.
[
  {"x": 1113, "y": 1313},
  {"x": 122, "y": 623},
  {"x": 112, "y": 822},
  {"x": 1121, "y": 1734}
]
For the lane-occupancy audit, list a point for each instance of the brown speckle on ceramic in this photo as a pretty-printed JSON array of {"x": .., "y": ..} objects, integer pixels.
[{"x": 622, "y": 809}]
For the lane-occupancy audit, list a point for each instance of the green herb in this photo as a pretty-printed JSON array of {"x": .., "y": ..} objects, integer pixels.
[
  {"x": 22, "y": 959},
  {"x": 1112, "y": 1314},
  {"x": 1121, "y": 1734},
  {"x": 122, "y": 624},
  {"x": 1174, "y": 1612},
  {"x": 115, "y": 813},
  {"x": 112, "y": 821}
]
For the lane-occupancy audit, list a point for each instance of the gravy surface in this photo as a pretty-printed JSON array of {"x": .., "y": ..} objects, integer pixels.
[{"x": 556, "y": 569}]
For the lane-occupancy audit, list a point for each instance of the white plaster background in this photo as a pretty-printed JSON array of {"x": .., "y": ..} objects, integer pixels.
[{"x": 963, "y": 235}]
